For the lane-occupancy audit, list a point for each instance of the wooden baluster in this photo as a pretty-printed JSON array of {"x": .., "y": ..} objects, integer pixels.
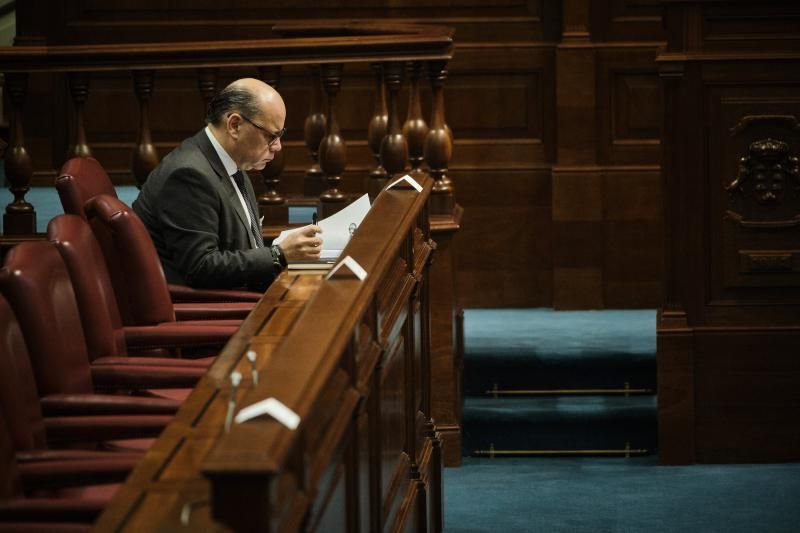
[
  {"x": 313, "y": 133},
  {"x": 415, "y": 128},
  {"x": 271, "y": 204},
  {"x": 439, "y": 144},
  {"x": 332, "y": 149},
  {"x": 394, "y": 148},
  {"x": 20, "y": 217},
  {"x": 145, "y": 156},
  {"x": 207, "y": 80},
  {"x": 79, "y": 89},
  {"x": 377, "y": 131}
]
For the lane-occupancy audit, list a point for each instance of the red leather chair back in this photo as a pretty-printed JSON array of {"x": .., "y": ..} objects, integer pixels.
[
  {"x": 136, "y": 273},
  {"x": 36, "y": 283},
  {"x": 9, "y": 481},
  {"x": 74, "y": 240},
  {"x": 81, "y": 179},
  {"x": 19, "y": 399}
]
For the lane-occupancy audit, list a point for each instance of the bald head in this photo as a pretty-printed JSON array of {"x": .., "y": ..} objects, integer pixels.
[
  {"x": 248, "y": 96},
  {"x": 247, "y": 118}
]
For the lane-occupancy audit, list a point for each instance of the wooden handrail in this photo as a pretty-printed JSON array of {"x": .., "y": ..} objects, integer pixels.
[
  {"x": 327, "y": 45},
  {"x": 395, "y": 43},
  {"x": 320, "y": 27}
]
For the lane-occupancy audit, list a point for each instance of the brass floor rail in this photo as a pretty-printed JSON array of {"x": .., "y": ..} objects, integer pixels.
[
  {"x": 627, "y": 451},
  {"x": 626, "y": 391}
]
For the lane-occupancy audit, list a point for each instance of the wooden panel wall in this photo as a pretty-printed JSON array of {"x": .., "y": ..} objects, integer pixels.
[
  {"x": 729, "y": 327},
  {"x": 606, "y": 186},
  {"x": 554, "y": 105}
]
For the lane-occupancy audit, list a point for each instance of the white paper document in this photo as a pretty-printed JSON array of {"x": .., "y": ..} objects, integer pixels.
[
  {"x": 405, "y": 181},
  {"x": 351, "y": 265},
  {"x": 272, "y": 407},
  {"x": 337, "y": 229}
]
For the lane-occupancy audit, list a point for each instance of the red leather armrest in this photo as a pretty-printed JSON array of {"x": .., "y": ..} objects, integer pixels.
[
  {"x": 25, "y": 514},
  {"x": 68, "y": 429},
  {"x": 160, "y": 362},
  {"x": 212, "y": 310},
  {"x": 180, "y": 334},
  {"x": 81, "y": 405},
  {"x": 182, "y": 293},
  {"x": 75, "y": 473},
  {"x": 138, "y": 377},
  {"x": 40, "y": 456}
]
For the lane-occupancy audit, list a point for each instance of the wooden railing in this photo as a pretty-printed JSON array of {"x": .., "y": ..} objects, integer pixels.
[
  {"x": 324, "y": 47},
  {"x": 352, "y": 359}
]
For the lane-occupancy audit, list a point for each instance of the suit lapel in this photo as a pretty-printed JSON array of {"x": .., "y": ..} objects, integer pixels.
[{"x": 225, "y": 181}]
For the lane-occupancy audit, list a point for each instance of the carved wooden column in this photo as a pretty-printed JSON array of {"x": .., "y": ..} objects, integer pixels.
[
  {"x": 445, "y": 219},
  {"x": 79, "y": 90},
  {"x": 675, "y": 364},
  {"x": 439, "y": 144},
  {"x": 415, "y": 128},
  {"x": 20, "y": 217},
  {"x": 145, "y": 156},
  {"x": 332, "y": 149},
  {"x": 394, "y": 148},
  {"x": 376, "y": 131},
  {"x": 271, "y": 204},
  {"x": 207, "y": 80},
  {"x": 313, "y": 132},
  {"x": 435, "y": 487}
]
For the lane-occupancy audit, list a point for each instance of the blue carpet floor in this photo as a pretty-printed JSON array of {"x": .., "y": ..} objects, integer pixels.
[
  {"x": 610, "y": 495},
  {"x": 573, "y": 334},
  {"x": 542, "y": 348},
  {"x": 556, "y": 492},
  {"x": 522, "y": 368}
]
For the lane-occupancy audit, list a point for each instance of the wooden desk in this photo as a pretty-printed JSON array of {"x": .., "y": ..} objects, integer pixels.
[{"x": 352, "y": 359}]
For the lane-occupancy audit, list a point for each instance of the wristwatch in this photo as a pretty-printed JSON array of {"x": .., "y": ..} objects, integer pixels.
[{"x": 277, "y": 257}]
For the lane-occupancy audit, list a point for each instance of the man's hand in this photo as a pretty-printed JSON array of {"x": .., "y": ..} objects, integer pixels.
[{"x": 302, "y": 244}]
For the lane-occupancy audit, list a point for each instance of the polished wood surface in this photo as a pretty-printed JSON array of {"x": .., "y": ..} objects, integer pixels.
[
  {"x": 447, "y": 350},
  {"x": 352, "y": 359},
  {"x": 729, "y": 326}
]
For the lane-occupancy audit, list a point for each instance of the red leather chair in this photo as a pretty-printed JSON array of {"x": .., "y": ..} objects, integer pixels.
[
  {"x": 139, "y": 284},
  {"x": 36, "y": 284},
  {"x": 83, "y": 178},
  {"x": 73, "y": 500},
  {"x": 107, "y": 340},
  {"x": 31, "y": 434}
]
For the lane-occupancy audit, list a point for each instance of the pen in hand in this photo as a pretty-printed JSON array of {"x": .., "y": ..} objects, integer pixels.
[{"x": 314, "y": 218}]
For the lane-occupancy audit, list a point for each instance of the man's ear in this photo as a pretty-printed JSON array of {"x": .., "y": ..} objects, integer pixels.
[{"x": 233, "y": 123}]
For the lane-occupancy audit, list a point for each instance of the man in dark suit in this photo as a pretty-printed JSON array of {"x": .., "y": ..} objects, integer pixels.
[{"x": 200, "y": 207}]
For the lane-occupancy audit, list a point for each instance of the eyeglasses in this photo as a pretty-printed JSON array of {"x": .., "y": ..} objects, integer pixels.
[{"x": 273, "y": 136}]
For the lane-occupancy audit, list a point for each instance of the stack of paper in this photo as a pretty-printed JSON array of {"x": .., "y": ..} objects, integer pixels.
[{"x": 336, "y": 233}]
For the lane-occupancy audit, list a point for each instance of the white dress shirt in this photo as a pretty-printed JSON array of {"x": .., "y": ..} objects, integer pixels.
[{"x": 231, "y": 169}]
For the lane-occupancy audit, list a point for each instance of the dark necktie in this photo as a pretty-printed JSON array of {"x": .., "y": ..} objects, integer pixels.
[{"x": 254, "y": 225}]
